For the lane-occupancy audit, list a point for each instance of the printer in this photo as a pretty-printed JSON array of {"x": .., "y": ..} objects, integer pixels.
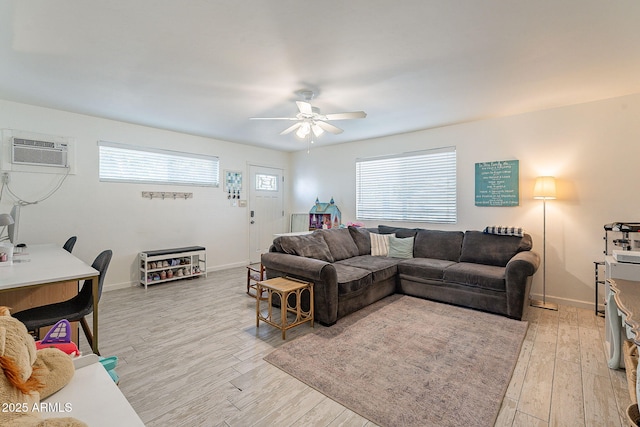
[{"x": 632, "y": 257}]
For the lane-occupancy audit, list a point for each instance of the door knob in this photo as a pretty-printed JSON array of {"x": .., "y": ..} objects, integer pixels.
[{"x": 253, "y": 222}]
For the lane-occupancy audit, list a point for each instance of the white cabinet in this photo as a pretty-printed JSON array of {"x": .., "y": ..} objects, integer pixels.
[
  {"x": 166, "y": 265},
  {"x": 614, "y": 332}
]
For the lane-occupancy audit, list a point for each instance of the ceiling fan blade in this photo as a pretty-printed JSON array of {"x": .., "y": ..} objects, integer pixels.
[
  {"x": 273, "y": 118},
  {"x": 328, "y": 127},
  {"x": 304, "y": 107},
  {"x": 346, "y": 116},
  {"x": 291, "y": 128}
]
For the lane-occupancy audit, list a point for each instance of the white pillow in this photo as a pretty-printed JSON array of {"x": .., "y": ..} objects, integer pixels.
[{"x": 380, "y": 244}]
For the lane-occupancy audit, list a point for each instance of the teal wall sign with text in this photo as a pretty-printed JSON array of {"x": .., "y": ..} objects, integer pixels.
[{"x": 497, "y": 183}]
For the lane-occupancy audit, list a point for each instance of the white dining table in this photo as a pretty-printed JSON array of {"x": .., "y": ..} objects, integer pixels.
[{"x": 45, "y": 265}]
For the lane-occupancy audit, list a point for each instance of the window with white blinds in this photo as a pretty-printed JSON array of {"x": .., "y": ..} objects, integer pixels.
[
  {"x": 126, "y": 163},
  {"x": 411, "y": 187}
]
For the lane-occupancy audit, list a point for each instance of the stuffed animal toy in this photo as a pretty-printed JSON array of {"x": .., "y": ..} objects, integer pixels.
[{"x": 28, "y": 375}]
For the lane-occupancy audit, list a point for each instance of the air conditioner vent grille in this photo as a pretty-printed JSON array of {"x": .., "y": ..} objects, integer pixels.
[
  {"x": 39, "y": 153},
  {"x": 34, "y": 143}
]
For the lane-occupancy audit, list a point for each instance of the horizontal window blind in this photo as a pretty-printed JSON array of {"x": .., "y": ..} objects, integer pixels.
[
  {"x": 418, "y": 186},
  {"x": 126, "y": 163}
]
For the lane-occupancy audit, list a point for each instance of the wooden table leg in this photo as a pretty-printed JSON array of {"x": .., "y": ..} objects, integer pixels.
[
  {"x": 311, "y": 303},
  {"x": 284, "y": 298},
  {"x": 258, "y": 290}
]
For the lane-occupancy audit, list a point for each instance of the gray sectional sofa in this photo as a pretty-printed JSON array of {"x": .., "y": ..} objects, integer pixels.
[{"x": 473, "y": 269}]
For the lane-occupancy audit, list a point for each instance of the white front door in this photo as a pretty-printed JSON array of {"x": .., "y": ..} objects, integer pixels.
[{"x": 266, "y": 209}]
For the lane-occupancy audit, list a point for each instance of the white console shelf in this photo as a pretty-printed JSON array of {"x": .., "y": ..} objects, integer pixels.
[
  {"x": 92, "y": 397},
  {"x": 166, "y": 265}
]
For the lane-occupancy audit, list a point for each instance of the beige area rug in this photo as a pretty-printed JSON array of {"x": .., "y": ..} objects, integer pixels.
[{"x": 406, "y": 361}]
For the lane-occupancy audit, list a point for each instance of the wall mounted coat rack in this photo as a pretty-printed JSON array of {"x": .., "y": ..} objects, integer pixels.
[{"x": 166, "y": 195}]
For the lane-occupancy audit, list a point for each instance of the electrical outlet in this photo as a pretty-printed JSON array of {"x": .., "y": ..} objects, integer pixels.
[{"x": 6, "y": 178}]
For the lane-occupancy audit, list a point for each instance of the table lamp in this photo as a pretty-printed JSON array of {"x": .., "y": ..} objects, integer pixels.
[
  {"x": 5, "y": 219},
  {"x": 544, "y": 189}
]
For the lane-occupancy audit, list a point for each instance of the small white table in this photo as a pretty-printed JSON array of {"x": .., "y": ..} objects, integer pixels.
[
  {"x": 49, "y": 264},
  {"x": 92, "y": 397}
]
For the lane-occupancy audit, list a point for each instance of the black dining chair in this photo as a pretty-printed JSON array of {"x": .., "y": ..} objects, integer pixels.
[
  {"x": 69, "y": 244},
  {"x": 74, "y": 309}
]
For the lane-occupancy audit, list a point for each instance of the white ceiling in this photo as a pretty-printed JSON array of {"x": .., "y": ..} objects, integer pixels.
[{"x": 204, "y": 67}]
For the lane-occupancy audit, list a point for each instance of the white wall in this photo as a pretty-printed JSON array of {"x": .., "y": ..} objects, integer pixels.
[
  {"x": 592, "y": 149},
  {"x": 114, "y": 215}
]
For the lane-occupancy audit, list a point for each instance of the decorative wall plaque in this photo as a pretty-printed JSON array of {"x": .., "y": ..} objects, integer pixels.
[
  {"x": 232, "y": 181},
  {"x": 497, "y": 183}
]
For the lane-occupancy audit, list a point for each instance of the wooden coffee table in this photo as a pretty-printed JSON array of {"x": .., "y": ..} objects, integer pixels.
[{"x": 284, "y": 287}]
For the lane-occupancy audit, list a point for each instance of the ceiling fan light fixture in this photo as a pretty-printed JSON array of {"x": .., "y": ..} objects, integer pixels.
[
  {"x": 310, "y": 122},
  {"x": 317, "y": 130},
  {"x": 303, "y": 130}
]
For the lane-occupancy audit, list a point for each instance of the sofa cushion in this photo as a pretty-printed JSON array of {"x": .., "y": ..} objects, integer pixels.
[
  {"x": 361, "y": 238},
  {"x": 340, "y": 242},
  {"x": 380, "y": 244},
  {"x": 351, "y": 279},
  {"x": 310, "y": 246},
  {"x": 400, "y": 247},
  {"x": 477, "y": 275},
  {"x": 424, "y": 268},
  {"x": 492, "y": 249},
  {"x": 398, "y": 231},
  {"x": 381, "y": 268},
  {"x": 438, "y": 244}
]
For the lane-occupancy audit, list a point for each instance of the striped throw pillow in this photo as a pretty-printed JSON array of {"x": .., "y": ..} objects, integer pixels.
[{"x": 380, "y": 244}]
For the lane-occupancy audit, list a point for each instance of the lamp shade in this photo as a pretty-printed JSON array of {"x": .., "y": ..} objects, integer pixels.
[
  {"x": 5, "y": 219},
  {"x": 545, "y": 188}
]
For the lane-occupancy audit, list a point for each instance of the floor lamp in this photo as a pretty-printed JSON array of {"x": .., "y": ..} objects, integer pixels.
[{"x": 544, "y": 189}]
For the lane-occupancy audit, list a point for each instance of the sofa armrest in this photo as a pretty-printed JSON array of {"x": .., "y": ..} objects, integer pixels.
[
  {"x": 525, "y": 262},
  {"x": 294, "y": 265},
  {"x": 323, "y": 275},
  {"x": 518, "y": 275}
]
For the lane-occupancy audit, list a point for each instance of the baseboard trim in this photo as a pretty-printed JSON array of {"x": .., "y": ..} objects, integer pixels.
[
  {"x": 115, "y": 286},
  {"x": 568, "y": 301},
  {"x": 228, "y": 266}
]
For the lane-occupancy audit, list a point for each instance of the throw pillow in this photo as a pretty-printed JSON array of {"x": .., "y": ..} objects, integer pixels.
[
  {"x": 340, "y": 243},
  {"x": 400, "y": 248},
  {"x": 308, "y": 246},
  {"x": 380, "y": 244},
  {"x": 361, "y": 238},
  {"x": 401, "y": 232}
]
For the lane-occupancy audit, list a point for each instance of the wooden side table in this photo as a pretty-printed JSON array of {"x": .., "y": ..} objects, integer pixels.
[{"x": 284, "y": 287}]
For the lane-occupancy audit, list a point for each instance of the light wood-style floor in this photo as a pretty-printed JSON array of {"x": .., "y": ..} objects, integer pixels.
[{"x": 190, "y": 355}]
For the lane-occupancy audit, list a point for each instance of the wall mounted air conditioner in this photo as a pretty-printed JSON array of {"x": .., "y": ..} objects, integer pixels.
[{"x": 40, "y": 153}]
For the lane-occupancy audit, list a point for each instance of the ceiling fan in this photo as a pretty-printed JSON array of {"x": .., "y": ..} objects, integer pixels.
[{"x": 309, "y": 119}]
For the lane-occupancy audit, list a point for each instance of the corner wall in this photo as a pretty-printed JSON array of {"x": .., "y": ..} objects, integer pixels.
[{"x": 592, "y": 149}]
